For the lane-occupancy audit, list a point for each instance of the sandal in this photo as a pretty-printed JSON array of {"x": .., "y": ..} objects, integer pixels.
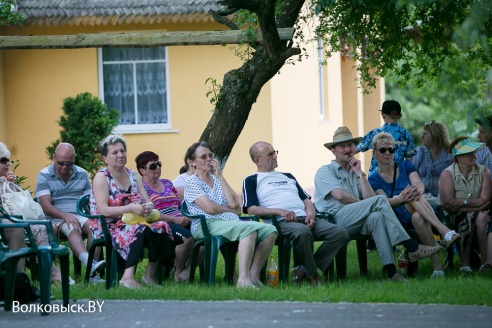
[
  {"x": 422, "y": 252},
  {"x": 248, "y": 285},
  {"x": 450, "y": 238}
]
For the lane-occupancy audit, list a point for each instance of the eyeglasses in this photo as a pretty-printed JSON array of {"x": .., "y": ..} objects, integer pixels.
[
  {"x": 65, "y": 163},
  {"x": 270, "y": 154},
  {"x": 4, "y": 160},
  {"x": 205, "y": 156},
  {"x": 153, "y": 166},
  {"x": 430, "y": 123},
  {"x": 383, "y": 150}
]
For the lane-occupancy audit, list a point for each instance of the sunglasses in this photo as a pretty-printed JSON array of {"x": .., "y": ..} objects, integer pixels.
[
  {"x": 383, "y": 150},
  {"x": 270, "y": 154},
  {"x": 65, "y": 163},
  {"x": 153, "y": 166},
  {"x": 430, "y": 123},
  {"x": 4, "y": 160},
  {"x": 205, "y": 156}
]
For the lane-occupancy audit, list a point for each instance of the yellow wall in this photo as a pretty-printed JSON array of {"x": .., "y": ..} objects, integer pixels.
[
  {"x": 299, "y": 129},
  {"x": 37, "y": 81}
]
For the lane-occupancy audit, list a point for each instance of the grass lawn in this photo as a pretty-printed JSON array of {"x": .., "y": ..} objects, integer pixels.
[{"x": 454, "y": 288}]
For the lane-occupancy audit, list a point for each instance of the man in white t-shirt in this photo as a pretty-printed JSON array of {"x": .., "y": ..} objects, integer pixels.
[{"x": 268, "y": 192}]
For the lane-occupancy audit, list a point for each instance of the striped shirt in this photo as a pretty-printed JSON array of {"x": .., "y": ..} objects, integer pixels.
[{"x": 64, "y": 195}]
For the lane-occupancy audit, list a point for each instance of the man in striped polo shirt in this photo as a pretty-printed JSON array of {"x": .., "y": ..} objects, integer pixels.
[{"x": 58, "y": 187}]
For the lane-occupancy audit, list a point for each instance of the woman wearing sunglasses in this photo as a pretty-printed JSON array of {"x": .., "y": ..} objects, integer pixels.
[
  {"x": 15, "y": 237},
  {"x": 401, "y": 184},
  {"x": 433, "y": 157},
  {"x": 165, "y": 199},
  {"x": 465, "y": 191},
  {"x": 208, "y": 193}
]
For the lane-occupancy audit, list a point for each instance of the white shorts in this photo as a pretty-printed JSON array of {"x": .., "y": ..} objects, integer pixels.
[{"x": 65, "y": 229}]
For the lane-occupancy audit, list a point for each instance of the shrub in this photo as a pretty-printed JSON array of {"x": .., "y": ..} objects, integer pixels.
[{"x": 86, "y": 120}]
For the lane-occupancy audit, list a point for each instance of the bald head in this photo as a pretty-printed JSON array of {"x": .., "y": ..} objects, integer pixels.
[
  {"x": 64, "y": 149},
  {"x": 264, "y": 156},
  {"x": 257, "y": 149}
]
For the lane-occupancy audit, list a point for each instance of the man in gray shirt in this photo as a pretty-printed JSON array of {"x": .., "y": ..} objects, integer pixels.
[
  {"x": 58, "y": 188},
  {"x": 342, "y": 190}
]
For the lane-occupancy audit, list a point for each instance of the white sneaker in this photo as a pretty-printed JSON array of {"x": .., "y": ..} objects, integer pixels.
[
  {"x": 97, "y": 280},
  {"x": 437, "y": 274},
  {"x": 96, "y": 266}
]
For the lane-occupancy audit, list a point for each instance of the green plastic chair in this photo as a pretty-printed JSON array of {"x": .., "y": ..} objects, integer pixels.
[
  {"x": 114, "y": 263},
  {"x": 112, "y": 270},
  {"x": 77, "y": 265},
  {"x": 212, "y": 245},
  {"x": 45, "y": 255},
  {"x": 341, "y": 258}
]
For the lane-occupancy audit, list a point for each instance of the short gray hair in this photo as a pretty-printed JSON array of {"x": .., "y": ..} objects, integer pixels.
[
  {"x": 112, "y": 139},
  {"x": 4, "y": 151},
  {"x": 382, "y": 137}
]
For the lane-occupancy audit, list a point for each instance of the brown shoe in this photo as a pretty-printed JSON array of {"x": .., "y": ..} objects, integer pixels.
[
  {"x": 422, "y": 252},
  {"x": 315, "y": 280},
  {"x": 398, "y": 278},
  {"x": 298, "y": 275}
]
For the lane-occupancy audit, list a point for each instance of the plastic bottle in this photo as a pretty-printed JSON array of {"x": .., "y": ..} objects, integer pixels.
[
  {"x": 272, "y": 273},
  {"x": 403, "y": 263}
]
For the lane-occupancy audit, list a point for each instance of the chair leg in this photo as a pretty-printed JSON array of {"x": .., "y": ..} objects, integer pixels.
[
  {"x": 194, "y": 262},
  {"x": 229, "y": 252},
  {"x": 64, "y": 268},
  {"x": 45, "y": 263},
  {"x": 10, "y": 277},
  {"x": 284, "y": 250},
  {"x": 362, "y": 254},
  {"x": 341, "y": 262},
  {"x": 214, "y": 253}
]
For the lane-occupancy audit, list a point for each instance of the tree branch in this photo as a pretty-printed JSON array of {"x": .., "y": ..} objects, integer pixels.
[{"x": 220, "y": 18}]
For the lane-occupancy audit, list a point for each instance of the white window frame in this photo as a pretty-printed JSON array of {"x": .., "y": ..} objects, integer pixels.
[{"x": 138, "y": 128}]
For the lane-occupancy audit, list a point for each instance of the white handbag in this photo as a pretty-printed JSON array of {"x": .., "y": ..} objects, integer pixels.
[{"x": 16, "y": 201}]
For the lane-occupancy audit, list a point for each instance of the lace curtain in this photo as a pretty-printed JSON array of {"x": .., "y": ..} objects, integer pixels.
[{"x": 143, "y": 70}]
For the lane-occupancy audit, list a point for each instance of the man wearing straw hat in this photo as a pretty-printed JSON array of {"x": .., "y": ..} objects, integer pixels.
[{"x": 342, "y": 190}]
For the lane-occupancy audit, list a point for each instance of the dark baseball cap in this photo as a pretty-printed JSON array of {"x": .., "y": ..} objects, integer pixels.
[
  {"x": 485, "y": 121},
  {"x": 391, "y": 107}
]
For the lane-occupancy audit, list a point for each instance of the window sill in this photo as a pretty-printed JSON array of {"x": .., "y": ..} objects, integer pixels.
[{"x": 142, "y": 130}]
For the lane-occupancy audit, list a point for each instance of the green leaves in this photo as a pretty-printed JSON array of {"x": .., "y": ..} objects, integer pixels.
[
  {"x": 86, "y": 120},
  {"x": 9, "y": 14}
]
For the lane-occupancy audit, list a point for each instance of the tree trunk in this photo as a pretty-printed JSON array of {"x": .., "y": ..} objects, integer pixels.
[{"x": 241, "y": 86}]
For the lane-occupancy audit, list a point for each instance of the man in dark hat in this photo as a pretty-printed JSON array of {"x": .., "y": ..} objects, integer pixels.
[
  {"x": 404, "y": 145},
  {"x": 343, "y": 191},
  {"x": 484, "y": 156}
]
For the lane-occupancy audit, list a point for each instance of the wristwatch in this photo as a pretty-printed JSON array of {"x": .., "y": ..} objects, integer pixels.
[
  {"x": 465, "y": 201},
  {"x": 363, "y": 174}
]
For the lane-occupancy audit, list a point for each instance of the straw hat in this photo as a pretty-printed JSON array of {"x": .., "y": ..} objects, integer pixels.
[
  {"x": 466, "y": 146},
  {"x": 342, "y": 134}
]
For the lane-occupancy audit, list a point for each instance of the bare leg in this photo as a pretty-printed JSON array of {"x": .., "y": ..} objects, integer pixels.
[
  {"x": 15, "y": 240},
  {"x": 245, "y": 253},
  {"x": 424, "y": 231},
  {"x": 183, "y": 254},
  {"x": 481, "y": 231},
  {"x": 488, "y": 259},
  {"x": 260, "y": 256},
  {"x": 150, "y": 272},
  {"x": 423, "y": 207},
  {"x": 128, "y": 278}
]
